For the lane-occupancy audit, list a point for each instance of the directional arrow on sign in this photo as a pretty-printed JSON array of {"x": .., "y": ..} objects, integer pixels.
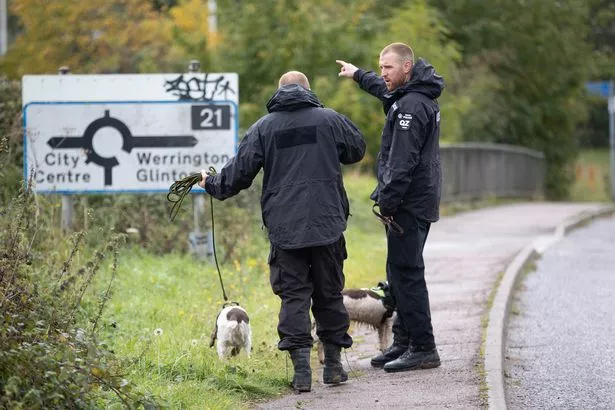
[
  {"x": 166, "y": 141},
  {"x": 129, "y": 142}
]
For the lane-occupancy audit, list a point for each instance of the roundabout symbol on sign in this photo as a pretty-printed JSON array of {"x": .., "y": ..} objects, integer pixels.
[{"x": 129, "y": 142}]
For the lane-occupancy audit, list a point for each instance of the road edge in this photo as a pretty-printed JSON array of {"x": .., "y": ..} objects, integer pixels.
[{"x": 498, "y": 314}]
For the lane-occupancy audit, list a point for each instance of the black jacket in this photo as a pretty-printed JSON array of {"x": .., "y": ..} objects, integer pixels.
[
  {"x": 300, "y": 146},
  {"x": 409, "y": 170}
]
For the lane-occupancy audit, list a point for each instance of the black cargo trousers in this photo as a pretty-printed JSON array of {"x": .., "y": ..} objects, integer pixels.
[
  {"x": 406, "y": 276},
  {"x": 310, "y": 277}
]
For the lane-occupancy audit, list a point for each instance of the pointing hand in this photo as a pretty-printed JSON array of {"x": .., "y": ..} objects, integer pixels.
[{"x": 347, "y": 69}]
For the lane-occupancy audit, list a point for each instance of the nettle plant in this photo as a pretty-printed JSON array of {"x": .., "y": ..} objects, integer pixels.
[{"x": 51, "y": 355}]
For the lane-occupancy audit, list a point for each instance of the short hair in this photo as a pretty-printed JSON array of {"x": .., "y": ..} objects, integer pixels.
[
  {"x": 294, "y": 77},
  {"x": 404, "y": 51}
]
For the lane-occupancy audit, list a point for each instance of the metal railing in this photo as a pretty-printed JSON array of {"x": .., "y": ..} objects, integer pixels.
[{"x": 473, "y": 171}]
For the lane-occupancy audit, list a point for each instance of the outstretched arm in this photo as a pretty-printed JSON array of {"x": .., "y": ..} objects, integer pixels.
[{"x": 240, "y": 171}]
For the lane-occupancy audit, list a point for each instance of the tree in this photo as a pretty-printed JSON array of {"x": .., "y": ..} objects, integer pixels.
[
  {"x": 263, "y": 39},
  {"x": 526, "y": 64},
  {"x": 191, "y": 34},
  {"x": 97, "y": 36},
  {"x": 602, "y": 38},
  {"x": 424, "y": 29},
  {"x": 594, "y": 132}
]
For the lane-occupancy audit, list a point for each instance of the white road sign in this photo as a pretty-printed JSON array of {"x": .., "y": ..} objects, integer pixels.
[{"x": 126, "y": 133}]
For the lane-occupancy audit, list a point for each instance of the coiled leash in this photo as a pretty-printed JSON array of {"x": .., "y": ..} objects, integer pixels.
[
  {"x": 388, "y": 221},
  {"x": 179, "y": 190},
  {"x": 176, "y": 195}
]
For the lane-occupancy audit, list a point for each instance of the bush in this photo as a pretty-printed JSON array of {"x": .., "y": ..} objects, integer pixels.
[
  {"x": 50, "y": 352},
  {"x": 11, "y": 146},
  {"x": 594, "y": 132}
]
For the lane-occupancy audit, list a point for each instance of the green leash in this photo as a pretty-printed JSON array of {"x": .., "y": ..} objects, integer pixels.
[
  {"x": 179, "y": 190},
  {"x": 176, "y": 195}
]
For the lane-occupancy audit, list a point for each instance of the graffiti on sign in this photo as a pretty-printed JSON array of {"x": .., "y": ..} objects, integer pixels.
[{"x": 199, "y": 87}]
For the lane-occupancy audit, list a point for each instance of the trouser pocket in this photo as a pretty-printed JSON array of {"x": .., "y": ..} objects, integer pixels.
[{"x": 275, "y": 273}]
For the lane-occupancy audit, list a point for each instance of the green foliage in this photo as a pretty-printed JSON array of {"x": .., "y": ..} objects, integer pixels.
[
  {"x": 50, "y": 352},
  {"x": 602, "y": 38},
  {"x": 594, "y": 133},
  {"x": 146, "y": 218},
  {"x": 98, "y": 36},
  {"x": 527, "y": 64},
  {"x": 423, "y": 28},
  {"x": 295, "y": 35},
  {"x": 11, "y": 146},
  {"x": 264, "y": 39}
]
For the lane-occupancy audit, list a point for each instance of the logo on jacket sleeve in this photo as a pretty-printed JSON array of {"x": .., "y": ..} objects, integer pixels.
[{"x": 403, "y": 120}]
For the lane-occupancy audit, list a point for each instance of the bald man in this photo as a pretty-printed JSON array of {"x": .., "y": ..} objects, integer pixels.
[
  {"x": 301, "y": 145},
  {"x": 294, "y": 77}
]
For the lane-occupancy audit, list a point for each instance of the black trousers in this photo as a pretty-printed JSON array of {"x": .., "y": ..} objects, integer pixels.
[
  {"x": 310, "y": 277},
  {"x": 406, "y": 276}
]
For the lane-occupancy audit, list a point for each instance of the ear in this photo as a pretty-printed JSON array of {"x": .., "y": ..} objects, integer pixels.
[{"x": 407, "y": 67}]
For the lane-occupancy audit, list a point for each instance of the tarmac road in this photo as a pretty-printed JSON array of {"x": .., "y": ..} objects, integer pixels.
[{"x": 560, "y": 350}]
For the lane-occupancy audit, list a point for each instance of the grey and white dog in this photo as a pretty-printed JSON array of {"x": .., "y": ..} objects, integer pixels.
[
  {"x": 371, "y": 307},
  {"x": 232, "y": 331}
]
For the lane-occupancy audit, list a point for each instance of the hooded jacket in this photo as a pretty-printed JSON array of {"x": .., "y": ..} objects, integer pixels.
[
  {"x": 300, "y": 146},
  {"x": 409, "y": 170}
]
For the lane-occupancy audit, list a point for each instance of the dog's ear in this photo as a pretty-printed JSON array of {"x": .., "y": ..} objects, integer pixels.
[{"x": 214, "y": 335}]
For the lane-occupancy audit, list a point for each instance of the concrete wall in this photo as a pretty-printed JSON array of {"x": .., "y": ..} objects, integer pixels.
[{"x": 482, "y": 170}]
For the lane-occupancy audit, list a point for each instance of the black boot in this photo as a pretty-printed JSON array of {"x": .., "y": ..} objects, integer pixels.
[
  {"x": 302, "y": 380},
  {"x": 333, "y": 372},
  {"x": 414, "y": 359},
  {"x": 388, "y": 355}
]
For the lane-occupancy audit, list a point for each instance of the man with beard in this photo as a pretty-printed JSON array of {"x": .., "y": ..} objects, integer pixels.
[{"x": 408, "y": 194}]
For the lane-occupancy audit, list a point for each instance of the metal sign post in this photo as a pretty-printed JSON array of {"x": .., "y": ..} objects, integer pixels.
[
  {"x": 68, "y": 208},
  {"x": 198, "y": 241},
  {"x": 612, "y": 138},
  {"x": 4, "y": 30},
  {"x": 605, "y": 89}
]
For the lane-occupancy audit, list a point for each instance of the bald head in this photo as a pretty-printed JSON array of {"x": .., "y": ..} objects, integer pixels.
[{"x": 294, "y": 77}]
